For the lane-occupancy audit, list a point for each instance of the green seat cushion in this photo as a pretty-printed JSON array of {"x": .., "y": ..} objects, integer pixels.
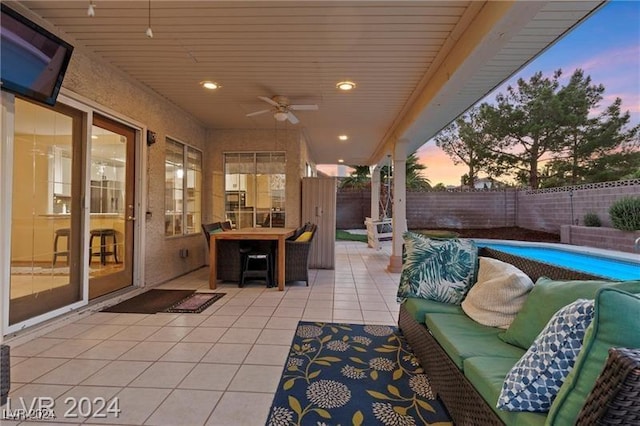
[
  {"x": 462, "y": 338},
  {"x": 419, "y": 307},
  {"x": 486, "y": 374},
  {"x": 546, "y": 298},
  {"x": 616, "y": 323}
]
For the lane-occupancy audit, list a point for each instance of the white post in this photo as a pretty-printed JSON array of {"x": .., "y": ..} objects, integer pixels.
[
  {"x": 375, "y": 193},
  {"x": 399, "y": 203}
]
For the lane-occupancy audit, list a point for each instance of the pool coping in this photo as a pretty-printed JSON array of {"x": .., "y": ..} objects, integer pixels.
[{"x": 610, "y": 254}]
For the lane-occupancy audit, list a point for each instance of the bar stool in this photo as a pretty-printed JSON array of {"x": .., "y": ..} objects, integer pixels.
[
  {"x": 257, "y": 264},
  {"x": 62, "y": 232},
  {"x": 103, "y": 233}
]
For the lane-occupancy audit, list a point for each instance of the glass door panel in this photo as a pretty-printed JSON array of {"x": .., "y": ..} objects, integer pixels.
[
  {"x": 45, "y": 224},
  {"x": 112, "y": 212}
]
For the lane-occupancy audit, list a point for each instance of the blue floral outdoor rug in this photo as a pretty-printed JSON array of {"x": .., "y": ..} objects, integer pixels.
[{"x": 347, "y": 374}]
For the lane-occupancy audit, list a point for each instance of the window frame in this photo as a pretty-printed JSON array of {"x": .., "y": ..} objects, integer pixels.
[
  {"x": 186, "y": 211},
  {"x": 281, "y": 212}
]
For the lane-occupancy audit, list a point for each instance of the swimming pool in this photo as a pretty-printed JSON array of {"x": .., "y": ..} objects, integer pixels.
[{"x": 618, "y": 269}]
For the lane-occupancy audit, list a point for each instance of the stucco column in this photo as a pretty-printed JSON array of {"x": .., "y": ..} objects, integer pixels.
[
  {"x": 399, "y": 203},
  {"x": 375, "y": 193}
]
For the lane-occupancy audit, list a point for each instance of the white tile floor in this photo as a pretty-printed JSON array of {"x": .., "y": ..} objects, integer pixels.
[{"x": 220, "y": 367}]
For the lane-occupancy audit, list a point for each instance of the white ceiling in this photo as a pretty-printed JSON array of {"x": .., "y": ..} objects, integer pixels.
[{"x": 417, "y": 64}]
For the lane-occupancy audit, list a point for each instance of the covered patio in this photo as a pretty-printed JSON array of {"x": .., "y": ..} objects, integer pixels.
[{"x": 220, "y": 367}]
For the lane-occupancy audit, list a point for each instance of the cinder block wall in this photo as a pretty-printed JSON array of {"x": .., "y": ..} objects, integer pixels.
[
  {"x": 352, "y": 206},
  {"x": 548, "y": 209},
  {"x": 457, "y": 210},
  {"x": 542, "y": 210}
]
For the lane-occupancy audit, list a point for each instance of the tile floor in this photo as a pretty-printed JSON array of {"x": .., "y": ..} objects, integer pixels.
[{"x": 219, "y": 367}]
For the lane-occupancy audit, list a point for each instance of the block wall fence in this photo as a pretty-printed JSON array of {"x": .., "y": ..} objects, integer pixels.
[{"x": 542, "y": 209}]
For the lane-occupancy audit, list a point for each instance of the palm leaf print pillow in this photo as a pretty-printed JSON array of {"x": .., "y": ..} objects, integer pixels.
[{"x": 440, "y": 270}]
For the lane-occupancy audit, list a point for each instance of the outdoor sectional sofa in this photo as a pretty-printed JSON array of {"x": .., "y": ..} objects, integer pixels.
[{"x": 467, "y": 362}]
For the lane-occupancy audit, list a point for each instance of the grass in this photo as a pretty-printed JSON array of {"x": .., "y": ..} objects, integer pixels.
[{"x": 346, "y": 236}]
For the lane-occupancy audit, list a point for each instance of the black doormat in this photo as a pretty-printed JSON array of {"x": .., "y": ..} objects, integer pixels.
[{"x": 150, "y": 302}]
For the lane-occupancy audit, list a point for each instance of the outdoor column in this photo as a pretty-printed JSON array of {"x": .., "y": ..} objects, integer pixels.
[
  {"x": 375, "y": 193},
  {"x": 375, "y": 202},
  {"x": 399, "y": 203}
]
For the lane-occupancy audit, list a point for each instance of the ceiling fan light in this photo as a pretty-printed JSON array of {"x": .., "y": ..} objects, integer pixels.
[
  {"x": 280, "y": 116},
  {"x": 346, "y": 85}
]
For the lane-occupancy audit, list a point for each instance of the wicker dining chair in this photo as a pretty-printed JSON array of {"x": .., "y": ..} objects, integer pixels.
[
  {"x": 297, "y": 258},
  {"x": 229, "y": 258}
]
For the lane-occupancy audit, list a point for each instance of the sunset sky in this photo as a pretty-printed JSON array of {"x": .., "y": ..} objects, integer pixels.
[{"x": 606, "y": 46}]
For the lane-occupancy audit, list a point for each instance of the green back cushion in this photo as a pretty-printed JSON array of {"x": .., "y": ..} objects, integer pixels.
[
  {"x": 546, "y": 298},
  {"x": 616, "y": 323}
]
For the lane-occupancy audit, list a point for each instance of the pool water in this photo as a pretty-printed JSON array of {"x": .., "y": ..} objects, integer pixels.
[{"x": 592, "y": 264}]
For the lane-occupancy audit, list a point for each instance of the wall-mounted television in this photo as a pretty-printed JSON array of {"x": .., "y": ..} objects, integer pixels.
[{"x": 33, "y": 61}]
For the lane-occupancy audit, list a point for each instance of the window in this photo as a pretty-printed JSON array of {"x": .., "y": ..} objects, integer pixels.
[
  {"x": 183, "y": 189},
  {"x": 255, "y": 189}
]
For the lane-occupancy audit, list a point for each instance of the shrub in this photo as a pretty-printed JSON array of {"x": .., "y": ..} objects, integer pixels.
[
  {"x": 592, "y": 219},
  {"x": 625, "y": 214}
]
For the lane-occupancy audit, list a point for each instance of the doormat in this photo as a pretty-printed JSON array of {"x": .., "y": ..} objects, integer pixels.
[
  {"x": 150, "y": 302},
  {"x": 195, "y": 303}
]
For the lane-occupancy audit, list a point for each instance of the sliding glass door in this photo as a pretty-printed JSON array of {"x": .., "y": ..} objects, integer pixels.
[{"x": 45, "y": 214}]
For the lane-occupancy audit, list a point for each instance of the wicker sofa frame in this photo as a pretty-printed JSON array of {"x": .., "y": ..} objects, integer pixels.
[{"x": 467, "y": 407}]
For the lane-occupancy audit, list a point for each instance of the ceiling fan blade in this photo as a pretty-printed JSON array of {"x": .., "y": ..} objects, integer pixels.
[
  {"x": 269, "y": 101},
  {"x": 251, "y": 114},
  {"x": 292, "y": 118},
  {"x": 304, "y": 107}
]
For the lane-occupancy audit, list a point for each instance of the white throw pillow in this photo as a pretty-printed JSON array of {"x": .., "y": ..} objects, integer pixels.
[{"x": 498, "y": 295}]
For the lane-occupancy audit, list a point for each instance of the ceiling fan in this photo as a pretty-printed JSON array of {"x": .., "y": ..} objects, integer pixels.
[{"x": 282, "y": 108}]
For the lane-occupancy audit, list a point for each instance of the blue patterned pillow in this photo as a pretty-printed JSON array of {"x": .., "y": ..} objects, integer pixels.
[
  {"x": 440, "y": 270},
  {"x": 533, "y": 383}
]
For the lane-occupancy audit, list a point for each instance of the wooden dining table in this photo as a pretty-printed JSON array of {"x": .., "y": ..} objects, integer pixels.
[{"x": 264, "y": 234}]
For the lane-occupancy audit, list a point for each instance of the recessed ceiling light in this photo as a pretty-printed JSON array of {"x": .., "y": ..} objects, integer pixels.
[
  {"x": 343, "y": 137},
  {"x": 346, "y": 85},
  {"x": 211, "y": 85},
  {"x": 341, "y": 161}
]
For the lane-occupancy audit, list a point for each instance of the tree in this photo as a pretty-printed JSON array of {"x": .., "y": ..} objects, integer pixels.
[
  {"x": 413, "y": 170},
  {"x": 359, "y": 178},
  {"x": 595, "y": 148},
  {"x": 464, "y": 142},
  {"x": 523, "y": 127}
]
